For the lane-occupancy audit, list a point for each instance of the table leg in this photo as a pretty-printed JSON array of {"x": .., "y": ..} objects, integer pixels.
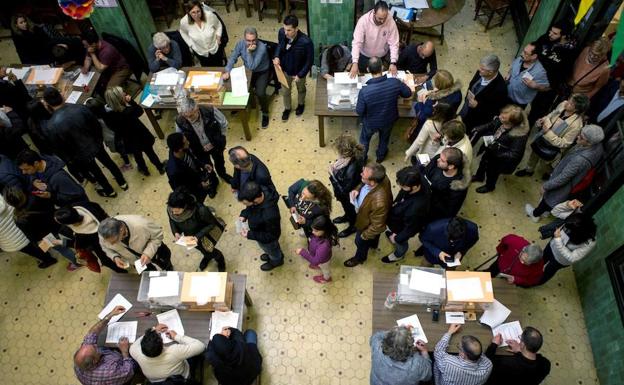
[
  {"x": 321, "y": 127},
  {"x": 244, "y": 115},
  {"x": 152, "y": 119},
  {"x": 442, "y": 35},
  {"x": 247, "y": 10},
  {"x": 248, "y": 300}
]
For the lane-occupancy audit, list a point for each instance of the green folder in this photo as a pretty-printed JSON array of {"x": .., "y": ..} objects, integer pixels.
[{"x": 229, "y": 100}]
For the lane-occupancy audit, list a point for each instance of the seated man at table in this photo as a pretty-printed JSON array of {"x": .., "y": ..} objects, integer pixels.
[
  {"x": 397, "y": 359},
  {"x": 163, "y": 53},
  {"x": 419, "y": 58},
  {"x": 469, "y": 367},
  {"x": 525, "y": 367},
  {"x": 448, "y": 240},
  {"x": 159, "y": 362},
  {"x": 104, "y": 57},
  {"x": 256, "y": 59},
  {"x": 96, "y": 365}
]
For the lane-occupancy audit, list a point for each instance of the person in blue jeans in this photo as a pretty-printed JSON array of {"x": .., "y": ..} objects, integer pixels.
[
  {"x": 263, "y": 222},
  {"x": 234, "y": 356}
]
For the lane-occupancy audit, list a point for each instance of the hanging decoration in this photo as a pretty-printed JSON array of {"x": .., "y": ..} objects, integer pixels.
[
  {"x": 584, "y": 7},
  {"x": 77, "y": 9}
]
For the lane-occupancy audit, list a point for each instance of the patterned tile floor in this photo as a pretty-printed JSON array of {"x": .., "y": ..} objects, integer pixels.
[{"x": 308, "y": 333}]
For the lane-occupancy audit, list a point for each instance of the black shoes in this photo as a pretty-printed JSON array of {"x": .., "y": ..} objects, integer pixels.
[
  {"x": 352, "y": 262},
  {"x": 346, "y": 232},
  {"x": 268, "y": 266},
  {"x": 285, "y": 115},
  {"x": 47, "y": 263},
  {"x": 523, "y": 172},
  {"x": 264, "y": 257},
  {"x": 265, "y": 121},
  {"x": 339, "y": 220},
  {"x": 484, "y": 189},
  {"x": 102, "y": 193},
  {"x": 144, "y": 172},
  {"x": 299, "y": 109},
  {"x": 477, "y": 179}
]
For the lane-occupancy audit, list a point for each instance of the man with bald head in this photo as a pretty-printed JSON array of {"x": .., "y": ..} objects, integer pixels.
[
  {"x": 419, "y": 58},
  {"x": 469, "y": 367},
  {"x": 96, "y": 365}
]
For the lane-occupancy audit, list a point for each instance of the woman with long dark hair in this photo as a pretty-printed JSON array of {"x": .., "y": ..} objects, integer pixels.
[
  {"x": 201, "y": 30},
  {"x": 309, "y": 199}
]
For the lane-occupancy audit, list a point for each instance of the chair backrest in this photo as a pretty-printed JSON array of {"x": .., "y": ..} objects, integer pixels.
[
  {"x": 271, "y": 47},
  {"x": 187, "y": 56},
  {"x": 137, "y": 63}
]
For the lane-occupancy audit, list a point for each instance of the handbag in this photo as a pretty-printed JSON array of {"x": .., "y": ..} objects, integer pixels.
[
  {"x": 543, "y": 149},
  {"x": 210, "y": 240}
]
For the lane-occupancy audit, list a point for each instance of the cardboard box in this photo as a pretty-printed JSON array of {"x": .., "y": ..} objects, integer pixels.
[
  {"x": 193, "y": 76},
  {"x": 217, "y": 282},
  {"x": 461, "y": 300}
]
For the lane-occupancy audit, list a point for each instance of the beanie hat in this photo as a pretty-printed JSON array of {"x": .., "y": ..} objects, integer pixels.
[{"x": 593, "y": 133}]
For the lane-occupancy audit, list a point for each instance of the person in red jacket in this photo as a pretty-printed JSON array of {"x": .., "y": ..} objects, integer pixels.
[{"x": 518, "y": 260}]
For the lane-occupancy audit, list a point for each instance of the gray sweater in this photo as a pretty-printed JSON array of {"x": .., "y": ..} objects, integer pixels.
[
  {"x": 256, "y": 61},
  {"x": 386, "y": 371},
  {"x": 570, "y": 171}
]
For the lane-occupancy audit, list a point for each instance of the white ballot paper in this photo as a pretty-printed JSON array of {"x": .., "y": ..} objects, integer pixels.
[
  {"x": 423, "y": 159},
  {"x": 182, "y": 241},
  {"x": 426, "y": 282},
  {"x": 166, "y": 78},
  {"x": 487, "y": 140},
  {"x": 73, "y": 97},
  {"x": 465, "y": 288},
  {"x": 148, "y": 101},
  {"x": 203, "y": 80},
  {"x": 455, "y": 262},
  {"x": 117, "y": 330},
  {"x": 172, "y": 319},
  {"x": 19, "y": 73},
  {"x": 455, "y": 317},
  {"x": 139, "y": 267},
  {"x": 509, "y": 331},
  {"x": 240, "y": 226},
  {"x": 417, "y": 332},
  {"x": 118, "y": 300},
  {"x": 344, "y": 78},
  {"x": 44, "y": 75},
  {"x": 416, "y": 4},
  {"x": 221, "y": 319},
  {"x": 203, "y": 286},
  {"x": 495, "y": 315},
  {"x": 83, "y": 79},
  {"x": 167, "y": 286},
  {"x": 238, "y": 78}
]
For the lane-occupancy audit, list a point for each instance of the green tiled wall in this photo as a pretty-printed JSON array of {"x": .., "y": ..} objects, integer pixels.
[
  {"x": 330, "y": 23},
  {"x": 604, "y": 325}
]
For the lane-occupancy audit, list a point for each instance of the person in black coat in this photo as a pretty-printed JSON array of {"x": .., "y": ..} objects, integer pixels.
[
  {"x": 248, "y": 168},
  {"x": 10, "y": 175},
  {"x": 212, "y": 125},
  {"x": 409, "y": 211},
  {"x": 234, "y": 357},
  {"x": 38, "y": 117},
  {"x": 509, "y": 131},
  {"x": 344, "y": 175},
  {"x": 123, "y": 118},
  {"x": 11, "y": 131},
  {"x": 262, "y": 217},
  {"x": 13, "y": 93},
  {"x": 75, "y": 134},
  {"x": 447, "y": 240},
  {"x": 309, "y": 199},
  {"x": 184, "y": 169},
  {"x": 607, "y": 103},
  {"x": 486, "y": 95},
  {"x": 31, "y": 41}
]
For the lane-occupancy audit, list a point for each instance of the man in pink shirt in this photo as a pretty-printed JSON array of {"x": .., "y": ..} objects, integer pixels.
[{"x": 375, "y": 34}]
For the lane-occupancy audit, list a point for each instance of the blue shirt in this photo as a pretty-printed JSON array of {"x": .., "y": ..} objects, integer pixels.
[
  {"x": 256, "y": 61},
  {"x": 616, "y": 102},
  {"x": 517, "y": 90},
  {"x": 363, "y": 193}
]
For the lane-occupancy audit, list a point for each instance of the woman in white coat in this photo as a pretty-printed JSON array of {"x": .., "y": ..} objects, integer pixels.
[
  {"x": 429, "y": 138},
  {"x": 13, "y": 239},
  {"x": 201, "y": 30}
]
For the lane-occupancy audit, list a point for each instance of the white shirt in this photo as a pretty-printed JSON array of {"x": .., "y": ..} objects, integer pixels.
[{"x": 202, "y": 40}]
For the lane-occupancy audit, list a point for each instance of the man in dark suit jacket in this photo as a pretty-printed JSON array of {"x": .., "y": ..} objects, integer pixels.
[
  {"x": 449, "y": 238},
  {"x": 248, "y": 168},
  {"x": 607, "y": 103},
  {"x": 486, "y": 95}
]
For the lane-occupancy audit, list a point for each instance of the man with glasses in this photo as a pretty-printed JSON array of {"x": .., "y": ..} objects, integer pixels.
[
  {"x": 526, "y": 77},
  {"x": 375, "y": 35},
  {"x": 469, "y": 367},
  {"x": 256, "y": 59}
]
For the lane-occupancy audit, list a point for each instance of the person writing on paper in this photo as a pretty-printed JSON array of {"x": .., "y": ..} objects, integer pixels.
[
  {"x": 375, "y": 35},
  {"x": 336, "y": 58},
  {"x": 189, "y": 217},
  {"x": 525, "y": 367},
  {"x": 526, "y": 77},
  {"x": 106, "y": 59},
  {"x": 469, "y": 367},
  {"x": 263, "y": 218},
  {"x": 159, "y": 362},
  {"x": 95, "y": 365},
  {"x": 294, "y": 55},
  {"x": 255, "y": 58},
  {"x": 396, "y": 359},
  {"x": 201, "y": 30},
  {"x": 518, "y": 261},
  {"x": 163, "y": 53},
  {"x": 419, "y": 59},
  {"x": 447, "y": 240},
  {"x": 128, "y": 238},
  {"x": 234, "y": 356}
]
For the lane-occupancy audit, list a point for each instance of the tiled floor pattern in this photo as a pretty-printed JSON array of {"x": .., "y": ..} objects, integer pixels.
[{"x": 309, "y": 334}]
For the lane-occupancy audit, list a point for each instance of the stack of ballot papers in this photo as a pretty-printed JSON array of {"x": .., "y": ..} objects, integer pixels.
[
  {"x": 188, "y": 242},
  {"x": 173, "y": 321},
  {"x": 118, "y": 300},
  {"x": 494, "y": 318},
  {"x": 221, "y": 319},
  {"x": 121, "y": 329},
  {"x": 165, "y": 286},
  {"x": 417, "y": 332}
]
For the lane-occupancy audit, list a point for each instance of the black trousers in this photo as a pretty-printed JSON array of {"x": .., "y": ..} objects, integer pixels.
[
  {"x": 551, "y": 266},
  {"x": 541, "y": 208},
  {"x": 151, "y": 155},
  {"x": 215, "y": 254},
  {"x": 219, "y": 161},
  {"x": 34, "y": 251},
  {"x": 259, "y": 81},
  {"x": 490, "y": 169},
  {"x": 348, "y": 208},
  {"x": 216, "y": 60}
]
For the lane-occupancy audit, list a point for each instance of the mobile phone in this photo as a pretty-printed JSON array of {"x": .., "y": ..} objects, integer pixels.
[
  {"x": 449, "y": 258},
  {"x": 436, "y": 315}
]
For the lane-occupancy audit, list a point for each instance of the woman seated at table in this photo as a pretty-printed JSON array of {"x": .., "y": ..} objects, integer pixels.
[
  {"x": 31, "y": 41},
  {"x": 336, "y": 58},
  {"x": 234, "y": 356},
  {"x": 201, "y": 30}
]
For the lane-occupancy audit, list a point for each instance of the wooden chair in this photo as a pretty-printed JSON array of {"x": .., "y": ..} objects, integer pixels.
[
  {"x": 489, "y": 8},
  {"x": 262, "y": 6},
  {"x": 163, "y": 9},
  {"x": 225, "y": 3}
]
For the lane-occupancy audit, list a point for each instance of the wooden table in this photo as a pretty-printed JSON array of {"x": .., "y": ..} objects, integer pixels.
[
  {"x": 385, "y": 319},
  {"x": 243, "y": 114},
  {"x": 196, "y": 323},
  {"x": 321, "y": 110},
  {"x": 432, "y": 18}
]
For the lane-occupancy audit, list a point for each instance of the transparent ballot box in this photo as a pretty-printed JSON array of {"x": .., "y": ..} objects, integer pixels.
[
  {"x": 421, "y": 285},
  {"x": 158, "y": 289}
]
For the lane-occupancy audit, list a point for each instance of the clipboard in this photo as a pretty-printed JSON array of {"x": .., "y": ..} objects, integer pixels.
[{"x": 280, "y": 76}]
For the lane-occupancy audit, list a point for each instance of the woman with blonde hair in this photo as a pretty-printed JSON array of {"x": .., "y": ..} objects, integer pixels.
[
  {"x": 442, "y": 88},
  {"x": 123, "y": 118},
  {"x": 344, "y": 175},
  {"x": 591, "y": 68},
  {"x": 31, "y": 41},
  {"x": 504, "y": 150}
]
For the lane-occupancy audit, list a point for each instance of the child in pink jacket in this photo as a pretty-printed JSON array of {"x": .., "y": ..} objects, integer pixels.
[{"x": 319, "y": 252}]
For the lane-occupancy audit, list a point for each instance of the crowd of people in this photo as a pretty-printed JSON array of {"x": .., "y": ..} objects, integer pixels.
[{"x": 568, "y": 90}]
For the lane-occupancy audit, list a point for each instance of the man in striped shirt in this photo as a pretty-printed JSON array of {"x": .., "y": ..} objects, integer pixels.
[{"x": 469, "y": 367}]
